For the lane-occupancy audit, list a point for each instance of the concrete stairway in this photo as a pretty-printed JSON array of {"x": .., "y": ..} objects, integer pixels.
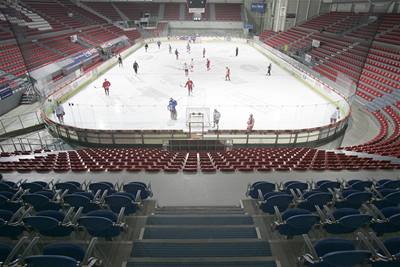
[{"x": 200, "y": 236}]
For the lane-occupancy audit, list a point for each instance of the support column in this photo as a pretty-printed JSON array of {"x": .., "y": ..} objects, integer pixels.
[
  {"x": 308, "y": 9},
  {"x": 297, "y": 11}
]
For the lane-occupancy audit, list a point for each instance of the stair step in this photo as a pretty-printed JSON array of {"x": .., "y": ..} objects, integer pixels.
[
  {"x": 202, "y": 262},
  {"x": 198, "y": 248},
  {"x": 200, "y": 210},
  {"x": 156, "y": 232},
  {"x": 233, "y": 219}
]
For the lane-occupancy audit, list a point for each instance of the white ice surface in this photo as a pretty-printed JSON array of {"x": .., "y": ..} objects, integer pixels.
[{"x": 140, "y": 101}]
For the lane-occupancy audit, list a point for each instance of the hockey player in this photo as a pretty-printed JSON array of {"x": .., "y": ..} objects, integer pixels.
[
  {"x": 208, "y": 64},
  {"x": 170, "y": 49},
  {"x": 135, "y": 66},
  {"x": 106, "y": 86},
  {"x": 237, "y": 51},
  {"x": 186, "y": 68},
  {"x": 335, "y": 115},
  {"x": 146, "y": 46},
  {"x": 189, "y": 84},
  {"x": 159, "y": 44},
  {"x": 269, "y": 69},
  {"x": 192, "y": 65},
  {"x": 188, "y": 48},
  {"x": 228, "y": 74},
  {"x": 250, "y": 123},
  {"x": 176, "y": 54},
  {"x": 172, "y": 108},
  {"x": 204, "y": 52},
  {"x": 119, "y": 61},
  {"x": 216, "y": 117},
  {"x": 59, "y": 110}
]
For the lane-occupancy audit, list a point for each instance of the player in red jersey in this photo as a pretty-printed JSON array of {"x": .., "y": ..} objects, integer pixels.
[
  {"x": 228, "y": 74},
  {"x": 106, "y": 86},
  {"x": 189, "y": 84}
]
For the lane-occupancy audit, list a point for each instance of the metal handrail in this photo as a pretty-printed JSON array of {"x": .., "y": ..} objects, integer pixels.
[{"x": 14, "y": 123}]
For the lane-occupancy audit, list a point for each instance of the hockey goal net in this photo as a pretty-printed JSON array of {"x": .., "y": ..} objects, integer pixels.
[{"x": 198, "y": 117}]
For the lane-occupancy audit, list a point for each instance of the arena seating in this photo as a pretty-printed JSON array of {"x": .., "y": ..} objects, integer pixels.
[
  {"x": 375, "y": 68},
  {"x": 340, "y": 207},
  {"x": 63, "y": 15},
  {"x": 204, "y": 16},
  {"x": 135, "y": 11},
  {"x": 384, "y": 143},
  {"x": 106, "y": 9},
  {"x": 230, "y": 12},
  {"x": 57, "y": 209},
  {"x": 62, "y": 254},
  {"x": 44, "y": 50},
  {"x": 171, "y": 11},
  {"x": 154, "y": 160}
]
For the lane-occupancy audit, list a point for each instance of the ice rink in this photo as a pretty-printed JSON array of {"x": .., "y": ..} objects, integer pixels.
[{"x": 140, "y": 101}]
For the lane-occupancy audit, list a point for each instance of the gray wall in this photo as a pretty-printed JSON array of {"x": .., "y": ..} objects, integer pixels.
[
  {"x": 302, "y": 11},
  {"x": 10, "y": 102}
]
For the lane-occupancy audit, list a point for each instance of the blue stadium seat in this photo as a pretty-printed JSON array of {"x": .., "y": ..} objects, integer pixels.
[
  {"x": 345, "y": 220},
  {"x": 9, "y": 255},
  {"x": 33, "y": 187},
  {"x": 11, "y": 225},
  {"x": 281, "y": 200},
  {"x": 385, "y": 220},
  {"x": 360, "y": 185},
  {"x": 387, "y": 183},
  {"x": 325, "y": 185},
  {"x": 8, "y": 187},
  {"x": 264, "y": 187},
  {"x": 40, "y": 202},
  {"x": 390, "y": 199},
  {"x": 63, "y": 255},
  {"x": 82, "y": 199},
  {"x": 102, "y": 186},
  {"x": 314, "y": 198},
  {"x": 134, "y": 187},
  {"x": 103, "y": 223},
  {"x": 294, "y": 222},
  {"x": 384, "y": 254},
  {"x": 71, "y": 186},
  {"x": 118, "y": 200},
  {"x": 295, "y": 185},
  {"x": 52, "y": 223},
  {"x": 7, "y": 201},
  {"x": 333, "y": 252},
  {"x": 353, "y": 199}
]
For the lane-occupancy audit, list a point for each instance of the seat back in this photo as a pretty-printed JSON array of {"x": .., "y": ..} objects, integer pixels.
[
  {"x": 76, "y": 200},
  {"x": 102, "y": 186},
  {"x": 355, "y": 221},
  {"x": 328, "y": 245},
  {"x": 5, "y": 250},
  {"x": 264, "y": 187},
  {"x": 133, "y": 188},
  {"x": 63, "y": 249},
  {"x": 41, "y": 223},
  {"x": 70, "y": 186},
  {"x": 303, "y": 220},
  {"x": 50, "y": 260},
  {"x": 95, "y": 223},
  {"x": 361, "y": 185},
  {"x": 282, "y": 202},
  {"x": 36, "y": 200},
  {"x": 346, "y": 258},
  {"x": 33, "y": 187}
]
